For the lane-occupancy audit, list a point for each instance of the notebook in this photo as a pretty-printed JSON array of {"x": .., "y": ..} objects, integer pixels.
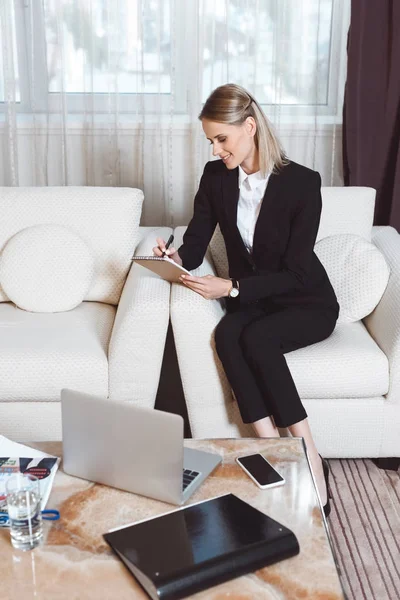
[
  {"x": 163, "y": 266},
  {"x": 191, "y": 549},
  {"x": 130, "y": 447}
]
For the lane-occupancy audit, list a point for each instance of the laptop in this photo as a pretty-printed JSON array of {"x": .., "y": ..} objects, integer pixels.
[{"x": 132, "y": 448}]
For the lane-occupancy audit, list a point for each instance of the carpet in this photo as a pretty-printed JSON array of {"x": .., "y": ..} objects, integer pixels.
[{"x": 365, "y": 528}]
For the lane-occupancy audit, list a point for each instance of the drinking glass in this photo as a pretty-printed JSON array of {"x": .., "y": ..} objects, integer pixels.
[{"x": 24, "y": 511}]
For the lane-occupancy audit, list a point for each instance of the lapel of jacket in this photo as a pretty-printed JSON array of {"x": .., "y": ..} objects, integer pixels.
[
  {"x": 230, "y": 197},
  {"x": 230, "y": 194},
  {"x": 267, "y": 207}
]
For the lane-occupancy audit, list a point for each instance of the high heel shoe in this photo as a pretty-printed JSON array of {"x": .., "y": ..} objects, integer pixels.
[{"x": 327, "y": 506}]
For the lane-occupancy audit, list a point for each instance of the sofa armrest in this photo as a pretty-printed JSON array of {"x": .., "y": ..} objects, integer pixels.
[
  {"x": 211, "y": 409},
  {"x": 140, "y": 329},
  {"x": 384, "y": 322}
]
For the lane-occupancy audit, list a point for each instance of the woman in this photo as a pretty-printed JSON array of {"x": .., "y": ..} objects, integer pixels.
[{"x": 279, "y": 297}]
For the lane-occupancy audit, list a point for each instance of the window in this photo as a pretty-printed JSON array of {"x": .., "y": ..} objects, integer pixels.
[
  {"x": 135, "y": 53},
  {"x": 277, "y": 52},
  {"x": 126, "y": 50}
]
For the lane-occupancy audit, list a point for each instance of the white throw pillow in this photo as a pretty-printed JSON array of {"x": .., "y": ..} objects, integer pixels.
[
  {"x": 46, "y": 268},
  {"x": 358, "y": 272}
]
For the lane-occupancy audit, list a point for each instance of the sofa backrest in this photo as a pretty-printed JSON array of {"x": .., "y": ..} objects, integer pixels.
[
  {"x": 106, "y": 218},
  {"x": 344, "y": 210},
  {"x": 347, "y": 210}
]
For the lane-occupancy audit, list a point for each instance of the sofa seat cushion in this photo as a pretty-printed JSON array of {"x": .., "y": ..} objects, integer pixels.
[
  {"x": 348, "y": 364},
  {"x": 42, "y": 353}
]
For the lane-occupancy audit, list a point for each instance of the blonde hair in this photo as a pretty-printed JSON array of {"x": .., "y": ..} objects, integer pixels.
[{"x": 232, "y": 104}]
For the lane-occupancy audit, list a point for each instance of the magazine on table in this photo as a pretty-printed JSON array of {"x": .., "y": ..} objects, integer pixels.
[{"x": 17, "y": 458}]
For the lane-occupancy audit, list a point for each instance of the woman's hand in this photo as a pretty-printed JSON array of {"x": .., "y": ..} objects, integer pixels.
[
  {"x": 172, "y": 253},
  {"x": 209, "y": 287}
]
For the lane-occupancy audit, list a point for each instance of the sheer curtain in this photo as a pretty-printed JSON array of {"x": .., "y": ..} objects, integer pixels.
[{"x": 107, "y": 92}]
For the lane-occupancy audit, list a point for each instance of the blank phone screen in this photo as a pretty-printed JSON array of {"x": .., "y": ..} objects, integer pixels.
[{"x": 260, "y": 469}]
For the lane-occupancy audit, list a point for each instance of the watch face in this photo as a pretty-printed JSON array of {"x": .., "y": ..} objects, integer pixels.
[{"x": 234, "y": 293}]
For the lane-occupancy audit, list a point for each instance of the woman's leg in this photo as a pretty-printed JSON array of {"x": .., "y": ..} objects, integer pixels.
[
  {"x": 302, "y": 429},
  {"x": 264, "y": 344},
  {"x": 265, "y": 428},
  {"x": 251, "y": 401}
]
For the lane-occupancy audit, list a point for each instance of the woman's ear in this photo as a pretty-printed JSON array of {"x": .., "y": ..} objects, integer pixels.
[{"x": 251, "y": 126}]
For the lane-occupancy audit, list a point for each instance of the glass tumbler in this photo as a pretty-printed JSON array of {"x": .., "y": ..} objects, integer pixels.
[{"x": 24, "y": 511}]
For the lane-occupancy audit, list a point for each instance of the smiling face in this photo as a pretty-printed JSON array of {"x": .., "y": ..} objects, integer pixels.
[{"x": 234, "y": 144}]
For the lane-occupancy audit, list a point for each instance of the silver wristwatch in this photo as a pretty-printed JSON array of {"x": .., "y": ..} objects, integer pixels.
[{"x": 234, "y": 293}]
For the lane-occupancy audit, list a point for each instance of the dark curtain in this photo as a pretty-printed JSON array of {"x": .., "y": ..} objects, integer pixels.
[{"x": 371, "y": 115}]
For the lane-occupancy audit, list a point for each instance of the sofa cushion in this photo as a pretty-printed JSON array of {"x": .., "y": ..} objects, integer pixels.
[
  {"x": 42, "y": 353},
  {"x": 348, "y": 364},
  {"x": 358, "y": 272},
  {"x": 107, "y": 218},
  {"x": 46, "y": 268}
]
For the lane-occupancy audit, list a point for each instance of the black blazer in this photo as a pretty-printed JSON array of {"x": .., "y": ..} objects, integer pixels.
[{"x": 283, "y": 267}]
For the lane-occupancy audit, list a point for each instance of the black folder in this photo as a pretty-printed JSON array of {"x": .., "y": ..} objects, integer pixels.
[{"x": 186, "y": 551}]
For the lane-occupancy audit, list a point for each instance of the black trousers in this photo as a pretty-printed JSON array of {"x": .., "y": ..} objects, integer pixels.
[{"x": 251, "y": 343}]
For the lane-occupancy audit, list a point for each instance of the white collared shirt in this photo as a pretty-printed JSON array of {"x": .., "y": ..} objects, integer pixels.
[{"x": 252, "y": 189}]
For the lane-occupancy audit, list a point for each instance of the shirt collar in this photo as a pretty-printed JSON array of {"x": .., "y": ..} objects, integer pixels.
[{"x": 254, "y": 180}]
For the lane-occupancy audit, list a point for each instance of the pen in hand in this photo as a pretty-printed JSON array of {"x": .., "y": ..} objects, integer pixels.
[{"x": 167, "y": 245}]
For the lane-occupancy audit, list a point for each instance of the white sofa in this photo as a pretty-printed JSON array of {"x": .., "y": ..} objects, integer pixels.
[
  {"x": 349, "y": 383},
  {"x": 112, "y": 343}
]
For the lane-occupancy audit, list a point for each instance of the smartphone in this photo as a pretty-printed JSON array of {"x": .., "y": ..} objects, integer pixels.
[{"x": 260, "y": 471}]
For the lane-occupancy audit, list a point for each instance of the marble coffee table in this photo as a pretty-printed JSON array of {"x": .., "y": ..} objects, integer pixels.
[{"x": 74, "y": 562}]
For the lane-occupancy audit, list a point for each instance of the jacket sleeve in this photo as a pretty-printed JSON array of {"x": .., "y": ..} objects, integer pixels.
[
  {"x": 201, "y": 227},
  {"x": 296, "y": 261}
]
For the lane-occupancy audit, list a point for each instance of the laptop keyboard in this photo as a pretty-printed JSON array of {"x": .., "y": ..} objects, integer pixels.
[{"x": 188, "y": 477}]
